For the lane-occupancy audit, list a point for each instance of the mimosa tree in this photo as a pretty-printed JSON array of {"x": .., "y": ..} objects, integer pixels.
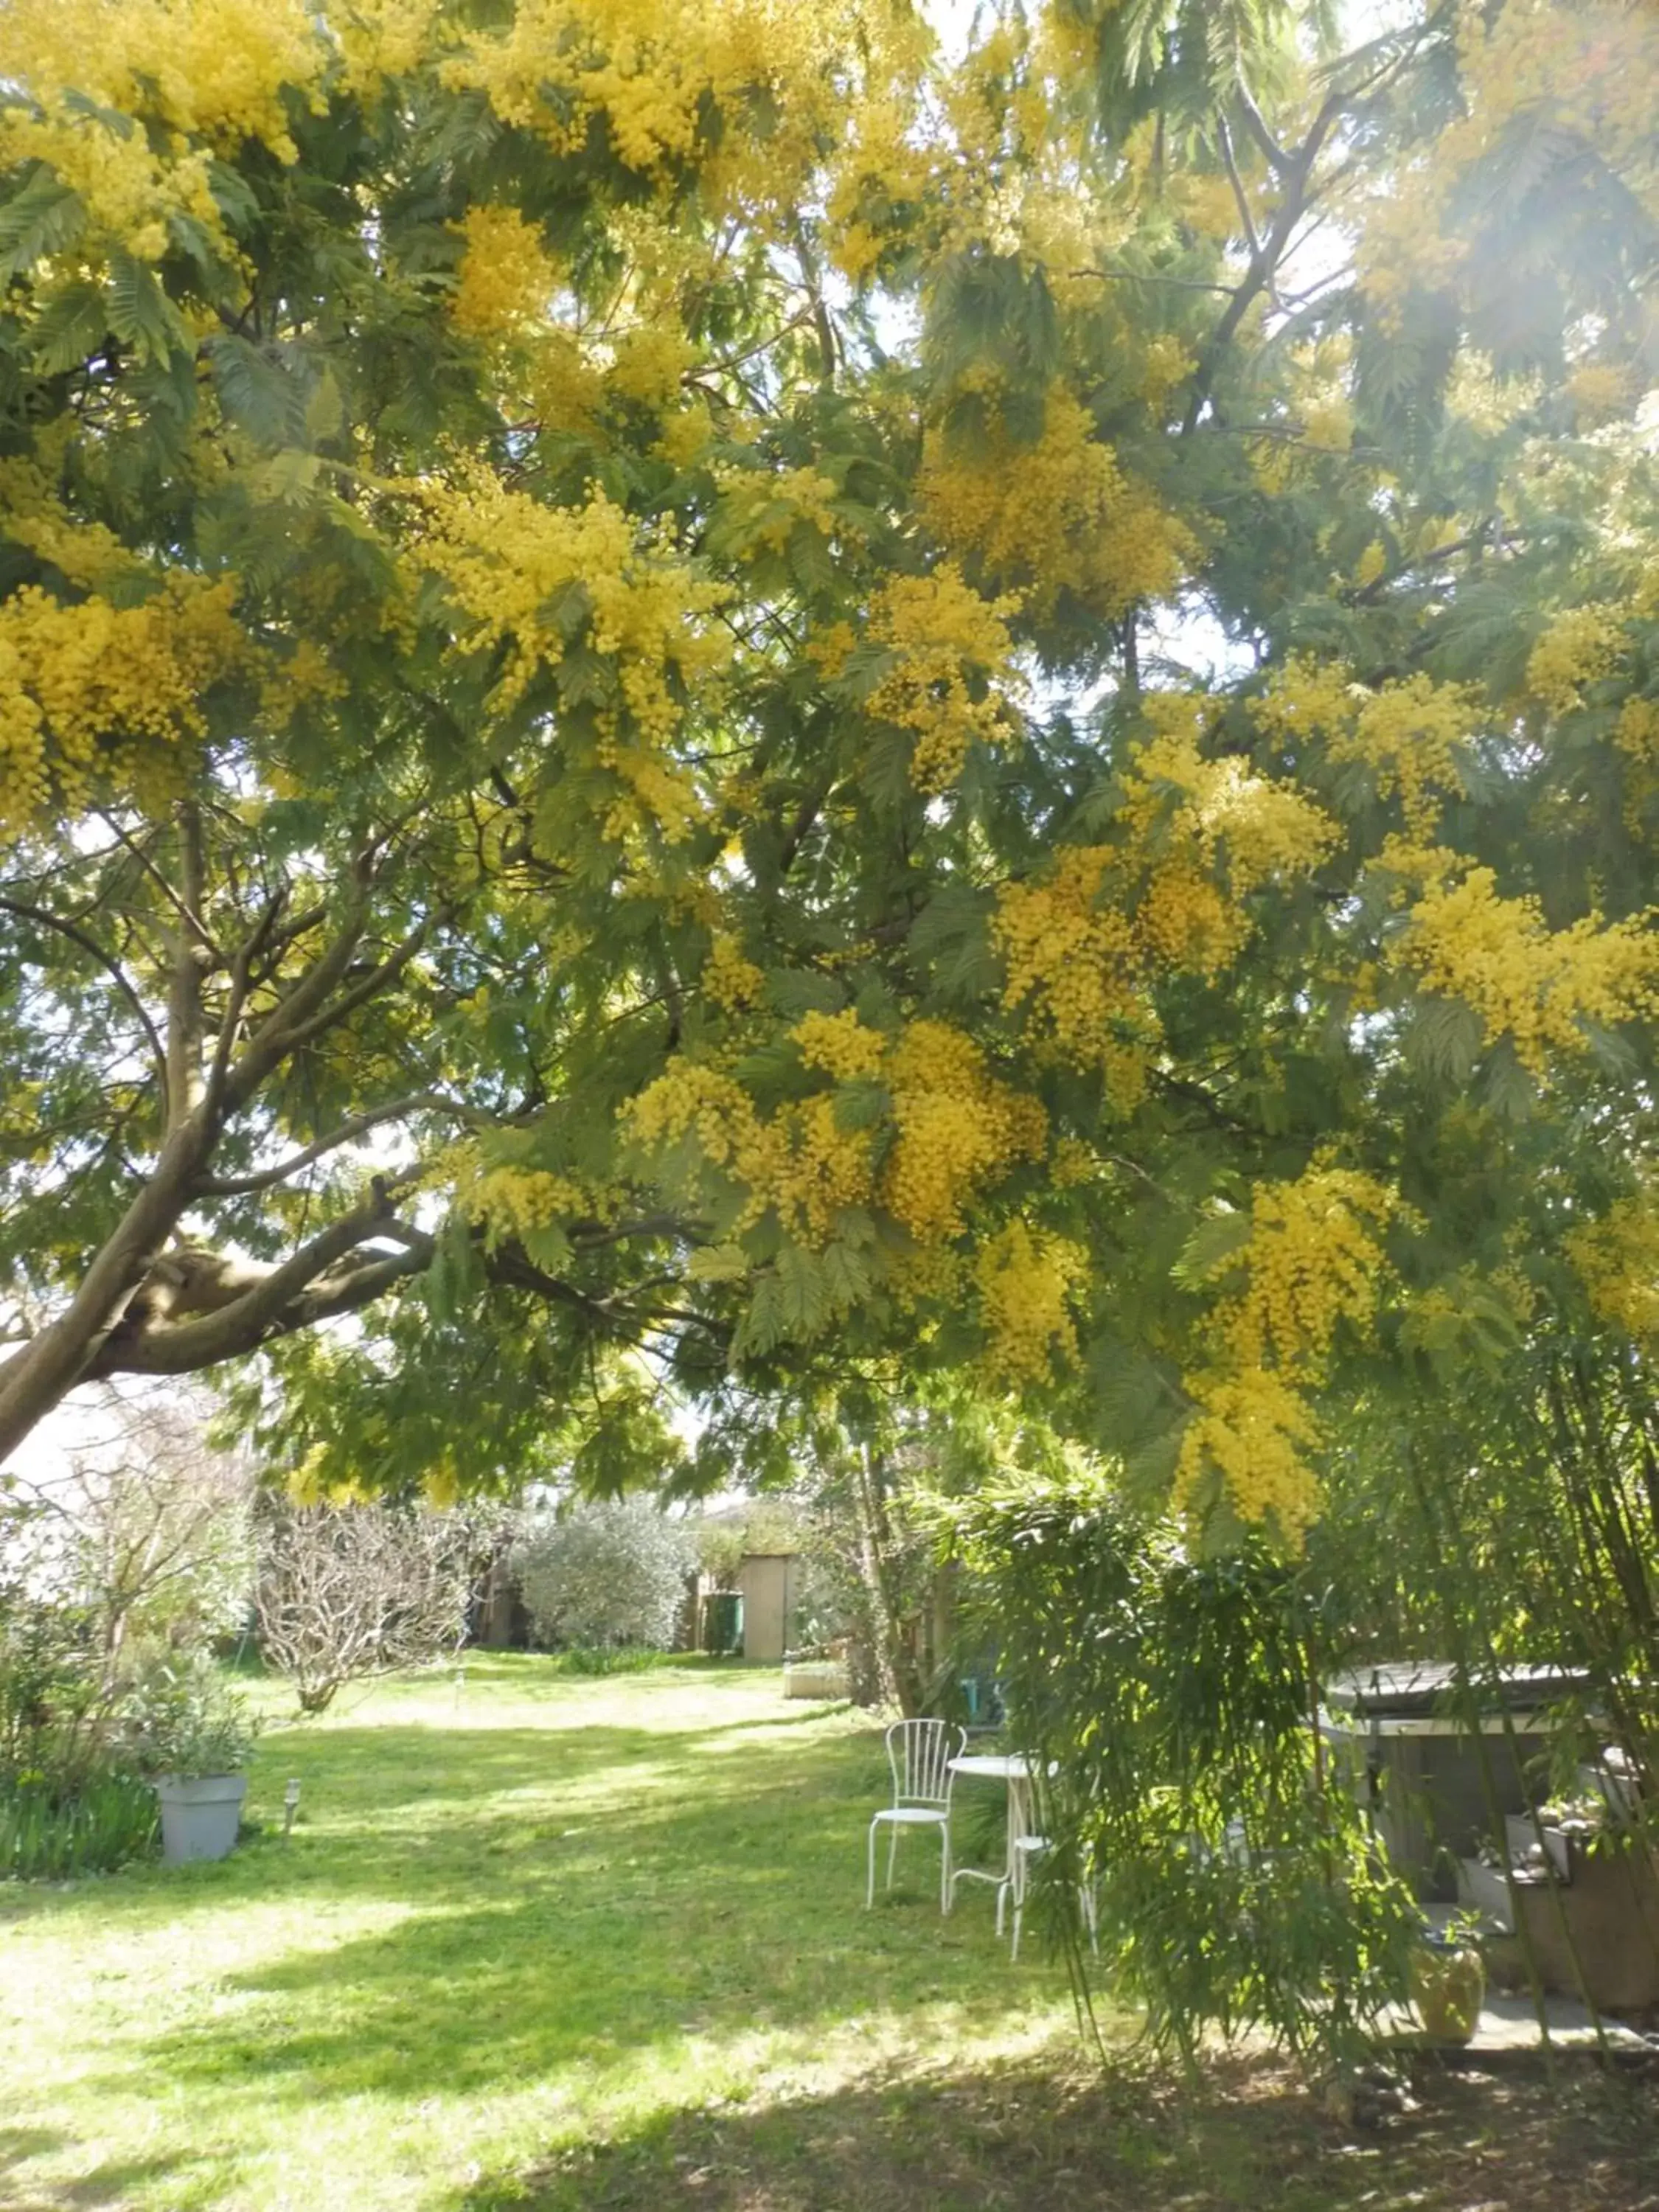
[{"x": 689, "y": 692}]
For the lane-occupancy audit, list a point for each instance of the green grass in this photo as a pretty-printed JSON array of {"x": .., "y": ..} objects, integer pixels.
[{"x": 573, "y": 1944}]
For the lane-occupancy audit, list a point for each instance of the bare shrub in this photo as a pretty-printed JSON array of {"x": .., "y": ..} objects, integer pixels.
[
  {"x": 144, "y": 1530},
  {"x": 347, "y": 1591}
]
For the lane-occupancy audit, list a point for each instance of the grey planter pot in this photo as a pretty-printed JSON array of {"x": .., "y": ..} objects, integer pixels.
[{"x": 200, "y": 1815}]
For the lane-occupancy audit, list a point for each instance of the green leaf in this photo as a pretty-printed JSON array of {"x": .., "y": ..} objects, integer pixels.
[
  {"x": 846, "y": 1276},
  {"x": 258, "y": 392},
  {"x": 325, "y": 414},
  {"x": 803, "y": 1292},
  {"x": 762, "y": 1327},
  {"x": 289, "y": 477},
  {"x": 45, "y": 216},
  {"x": 547, "y": 1246},
  {"x": 861, "y": 1103},
  {"x": 1443, "y": 1039},
  {"x": 1210, "y": 1246},
  {"x": 140, "y": 312},
  {"x": 70, "y": 328},
  {"x": 718, "y": 1263}
]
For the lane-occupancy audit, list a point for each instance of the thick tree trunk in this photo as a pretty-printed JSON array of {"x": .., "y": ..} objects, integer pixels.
[
  {"x": 36, "y": 1379},
  {"x": 202, "y": 1091},
  {"x": 896, "y": 1673}
]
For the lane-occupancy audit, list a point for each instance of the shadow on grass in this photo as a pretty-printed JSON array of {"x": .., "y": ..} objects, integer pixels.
[
  {"x": 1248, "y": 2138},
  {"x": 110, "y": 2184},
  {"x": 702, "y": 1894}
]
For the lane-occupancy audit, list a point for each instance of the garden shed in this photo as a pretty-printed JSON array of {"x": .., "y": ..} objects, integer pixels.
[{"x": 770, "y": 1582}]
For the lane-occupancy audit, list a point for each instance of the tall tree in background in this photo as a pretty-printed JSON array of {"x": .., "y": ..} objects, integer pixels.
[{"x": 690, "y": 697}]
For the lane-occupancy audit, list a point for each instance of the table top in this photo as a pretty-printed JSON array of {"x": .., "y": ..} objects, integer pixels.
[
  {"x": 1001, "y": 1766},
  {"x": 1423, "y": 1689}
]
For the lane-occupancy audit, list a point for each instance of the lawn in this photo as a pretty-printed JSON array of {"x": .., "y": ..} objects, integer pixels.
[{"x": 566, "y": 1944}]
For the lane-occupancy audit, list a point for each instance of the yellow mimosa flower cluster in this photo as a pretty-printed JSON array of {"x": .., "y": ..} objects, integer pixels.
[
  {"x": 1617, "y": 1259},
  {"x": 958, "y": 1129},
  {"x": 841, "y": 1045},
  {"x": 801, "y": 1162},
  {"x": 1535, "y": 985},
  {"x": 506, "y": 278},
  {"x": 1254, "y": 1431},
  {"x": 379, "y": 39},
  {"x": 649, "y": 361},
  {"x": 952, "y": 678},
  {"x": 1056, "y": 515},
  {"x": 678, "y": 84},
  {"x": 761, "y": 506},
  {"x": 1600, "y": 391},
  {"x": 1025, "y": 1278},
  {"x": 33, "y": 515},
  {"x": 1227, "y": 832},
  {"x": 93, "y": 686},
  {"x": 879, "y": 167},
  {"x": 514, "y": 1202},
  {"x": 1074, "y": 955},
  {"x": 1590, "y": 70},
  {"x": 1579, "y": 647},
  {"x": 196, "y": 76},
  {"x": 1636, "y": 730},
  {"x": 730, "y": 980},
  {"x": 507, "y": 558},
  {"x": 955, "y": 1129},
  {"x": 1312, "y": 1261},
  {"x": 1085, "y": 943},
  {"x": 1407, "y": 731}
]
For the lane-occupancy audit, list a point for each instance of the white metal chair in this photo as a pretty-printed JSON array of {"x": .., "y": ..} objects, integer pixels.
[
  {"x": 920, "y": 1753},
  {"x": 1022, "y": 1850}
]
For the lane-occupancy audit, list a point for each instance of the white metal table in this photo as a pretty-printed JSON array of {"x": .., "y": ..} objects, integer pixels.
[{"x": 1014, "y": 1769}]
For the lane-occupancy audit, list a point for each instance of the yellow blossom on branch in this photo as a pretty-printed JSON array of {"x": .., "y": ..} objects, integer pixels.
[
  {"x": 506, "y": 278},
  {"x": 1060, "y": 514},
  {"x": 1617, "y": 1259},
  {"x": 1025, "y": 1278},
  {"x": 1253, "y": 1431},
  {"x": 1578, "y": 647},
  {"x": 1537, "y": 986},
  {"x": 952, "y": 680}
]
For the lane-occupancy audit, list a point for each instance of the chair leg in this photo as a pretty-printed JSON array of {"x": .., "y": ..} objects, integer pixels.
[
  {"x": 892, "y": 1854},
  {"x": 944, "y": 1867},
  {"x": 1013, "y": 1948},
  {"x": 870, "y": 1892}
]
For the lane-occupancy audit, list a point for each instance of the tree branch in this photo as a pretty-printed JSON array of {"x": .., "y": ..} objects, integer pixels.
[
  {"x": 1298, "y": 182},
  {"x": 358, "y": 1126},
  {"x": 186, "y": 912},
  {"x": 328, "y": 1016},
  {"x": 1274, "y": 154},
  {"x": 294, "y": 1295},
  {"x": 112, "y": 967},
  {"x": 1225, "y": 140}
]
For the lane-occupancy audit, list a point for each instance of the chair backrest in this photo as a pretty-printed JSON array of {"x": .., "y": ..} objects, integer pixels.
[{"x": 920, "y": 1753}]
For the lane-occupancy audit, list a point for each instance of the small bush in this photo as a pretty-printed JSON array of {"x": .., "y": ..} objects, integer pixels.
[
  {"x": 182, "y": 1717},
  {"x": 604, "y": 1576}
]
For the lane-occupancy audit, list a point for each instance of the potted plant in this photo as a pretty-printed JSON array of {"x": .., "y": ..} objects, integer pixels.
[
  {"x": 193, "y": 1736},
  {"x": 1448, "y": 1985}
]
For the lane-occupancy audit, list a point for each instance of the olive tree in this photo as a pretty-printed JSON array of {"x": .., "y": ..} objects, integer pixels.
[{"x": 605, "y": 1575}]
